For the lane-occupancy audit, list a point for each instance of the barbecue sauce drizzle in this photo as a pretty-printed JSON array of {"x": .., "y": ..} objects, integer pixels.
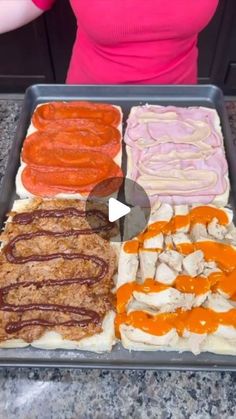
[{"x": 28, "y": 218}]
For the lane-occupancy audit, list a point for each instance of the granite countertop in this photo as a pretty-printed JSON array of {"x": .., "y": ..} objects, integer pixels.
[{"x": 32, "y": 393}]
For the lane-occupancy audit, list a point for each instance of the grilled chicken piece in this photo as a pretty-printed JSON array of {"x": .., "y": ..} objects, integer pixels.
[
  {"x": 155, "y": 242},
  {"x": 127, "y": 267},
  {"x": 216, "y": 230},
  {"x": 198, "y": 232},
  {"x": 199, "y": 299},
  {"x": 139, "y": 336},
  {"x": 180, "y": 238},
  {"x": 231, "y": 235},
  {"x": 148, "y": 260},
  {"x": 183, "y": 210},
  {"x": 218, "y": 303},
  {"x": 209, "y": 268},
  {"x": 168, "y": 242},
  {"x": 165, "y": 301},
  {"x": 165, "y": 274},
  {"x": 162, "y": 213},
  {"x": 194, "y": 263},
  {"x": 135, "y": 305},
  {"x": 172, "y": 258},
  {"x": 154, "y": 212}
]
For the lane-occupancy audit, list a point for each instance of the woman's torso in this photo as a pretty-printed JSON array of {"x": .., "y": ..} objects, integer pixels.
[{"x": 126, "y": 41}]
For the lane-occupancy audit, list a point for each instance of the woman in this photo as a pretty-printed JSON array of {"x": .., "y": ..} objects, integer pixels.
[{"x": 126, "y": 41}]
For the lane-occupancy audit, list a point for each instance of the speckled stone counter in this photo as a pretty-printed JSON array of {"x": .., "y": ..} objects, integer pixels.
[{"x": 92, "y": 394}]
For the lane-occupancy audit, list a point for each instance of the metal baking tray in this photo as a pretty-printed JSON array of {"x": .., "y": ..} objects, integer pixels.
[{"x": 125, "y": 96}]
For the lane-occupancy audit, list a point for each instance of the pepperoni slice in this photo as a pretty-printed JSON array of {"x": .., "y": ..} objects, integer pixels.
[
  {"x": 56, "y": 115},
  {"x": 90, "y": 169},
  {"x": 56, "y": 157},
  {"x": 41, "y": 147}
]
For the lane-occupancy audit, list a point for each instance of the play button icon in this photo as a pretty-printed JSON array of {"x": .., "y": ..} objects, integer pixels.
[
  {"x": 116, "y": 210},
  {"x": 126, "y": 207}
]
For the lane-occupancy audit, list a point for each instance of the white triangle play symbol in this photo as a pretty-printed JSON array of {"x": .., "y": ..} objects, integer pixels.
[{"x": 116, "y": 210}]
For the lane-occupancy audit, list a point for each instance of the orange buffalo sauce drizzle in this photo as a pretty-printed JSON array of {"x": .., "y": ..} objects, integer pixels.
[
  {"x": 183, "y": 283},
  {"x": 205, "y": 214},
  {"x": 224, "y": 282},
  {"x": 194, "y": 319},
  {"x": 223, "y": 254},
  {"x": 202, "y": 214},
  {"x": 177, "y": 222},
  {"x": 185, "y": 248},
  {"x": 131, "y": 246},
  {"x": 225, "y": 257},
  {"x": 198, "y": 320},
  {"x": 124, "y": 293},
  {"x": 187, "y": 284}
]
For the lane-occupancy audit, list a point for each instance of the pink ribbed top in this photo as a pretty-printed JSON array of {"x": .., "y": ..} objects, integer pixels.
[{"x": 136, "y": 41}]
